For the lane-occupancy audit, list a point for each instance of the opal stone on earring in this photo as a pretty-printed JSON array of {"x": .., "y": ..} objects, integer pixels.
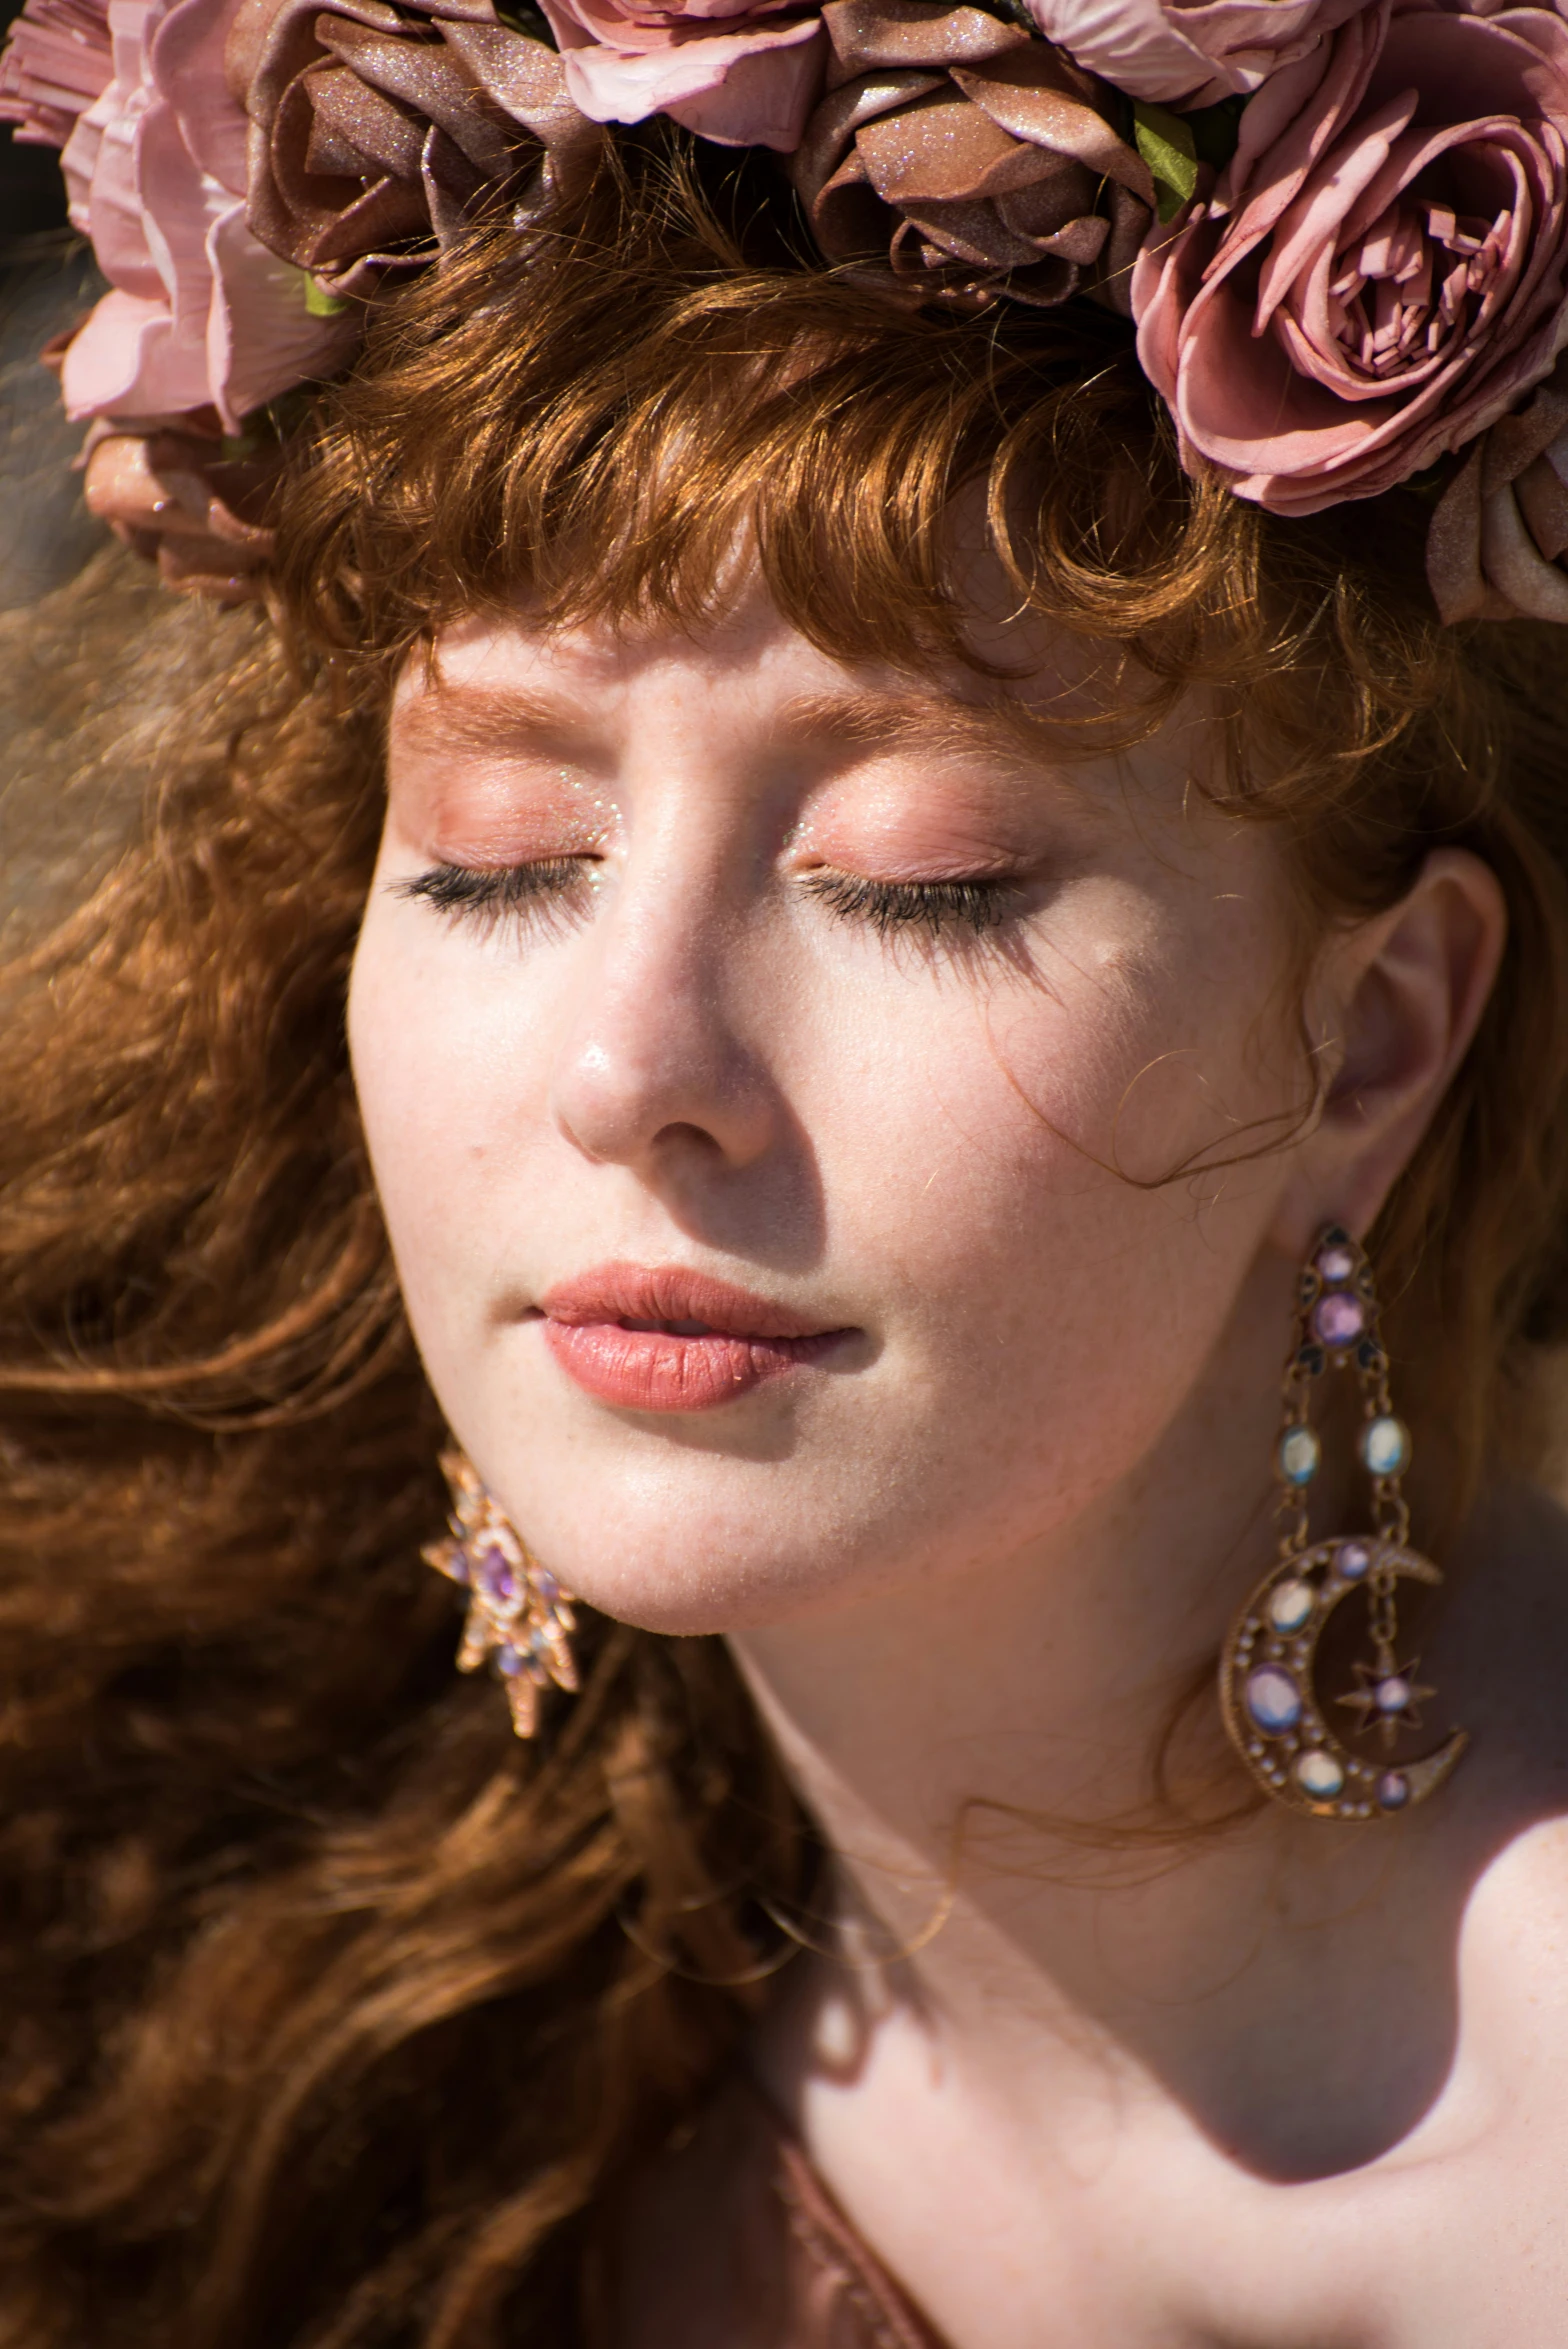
[
  {"x": 518, "y": 1614},
  {"x": 1268, "y": 1695}
]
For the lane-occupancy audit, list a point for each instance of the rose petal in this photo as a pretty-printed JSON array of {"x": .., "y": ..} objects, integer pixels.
[
  {"x": 108, "y": 365},
  {"x": 1513, "y": 564},
  {"x": 955, "y": 158},
  {"x": 379, "y": 130},
  {"x": 186, "y": 63},
  {"x": 623, "y": 85},
  {"x": 261, "y": 339},
  {"x": 1181, "y": 55},
  {"x": 56, "y": 62}
]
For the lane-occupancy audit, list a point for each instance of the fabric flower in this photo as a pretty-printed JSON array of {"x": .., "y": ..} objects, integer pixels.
[
  {"x": 742, "y": 75},
  {"x": 175, "y": 499},
  {"x": 962, "y": 158},
  {"x": 1381, "y": 271},
  {"x": 376, "y": 127},
  {"x": 1494, "y": 550},
  {"x": 199, "y": 315},
  {"x": 56, "y": 63},
  {"x": 1188, "y": 52}
]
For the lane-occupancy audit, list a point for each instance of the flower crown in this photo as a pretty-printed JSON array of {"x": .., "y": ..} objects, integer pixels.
[{"x": 1341, "y": 226}]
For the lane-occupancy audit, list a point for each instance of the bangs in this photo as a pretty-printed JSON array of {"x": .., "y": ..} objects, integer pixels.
[
  {"x": 608, "y": 420},
  {"x": 594, "y": 422}
]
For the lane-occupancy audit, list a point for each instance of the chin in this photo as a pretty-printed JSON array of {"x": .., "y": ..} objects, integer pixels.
[{"x": 688, "y": 1583}]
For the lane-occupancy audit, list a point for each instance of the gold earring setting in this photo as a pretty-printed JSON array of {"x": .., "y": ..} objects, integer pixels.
[{"x": 519, "y": 1617}]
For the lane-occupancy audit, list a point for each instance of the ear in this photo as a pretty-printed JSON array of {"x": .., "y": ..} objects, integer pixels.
[{"x": 1394, "y": 1003}]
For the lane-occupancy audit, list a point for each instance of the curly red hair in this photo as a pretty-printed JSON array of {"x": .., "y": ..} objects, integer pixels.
[{"x": 337, "y": 2018}]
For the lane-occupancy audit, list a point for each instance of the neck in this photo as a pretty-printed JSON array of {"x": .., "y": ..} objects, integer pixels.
[{"x": 1001, "y": 1760}]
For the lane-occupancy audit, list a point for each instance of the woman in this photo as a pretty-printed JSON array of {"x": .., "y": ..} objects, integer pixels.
[{"x": 909, "y": 945}]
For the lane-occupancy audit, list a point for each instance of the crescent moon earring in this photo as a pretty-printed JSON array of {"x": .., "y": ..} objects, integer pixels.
[
  {"x": 1268, "y": 1698},
  {"x": 518, "y": 1614}
]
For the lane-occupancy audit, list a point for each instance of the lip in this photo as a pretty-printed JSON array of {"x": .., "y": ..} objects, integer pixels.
[{"x": 591, "y": 1326}]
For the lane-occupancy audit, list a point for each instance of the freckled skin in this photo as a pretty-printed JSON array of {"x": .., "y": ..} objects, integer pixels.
[
  {"x": 1285, "y": 2086},
  {"x": 707, "y": 1064}
]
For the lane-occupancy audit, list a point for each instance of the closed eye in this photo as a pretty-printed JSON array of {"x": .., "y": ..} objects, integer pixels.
[
  {"x": 977, "y": 904},
  {"x": 487, "y": 894}
]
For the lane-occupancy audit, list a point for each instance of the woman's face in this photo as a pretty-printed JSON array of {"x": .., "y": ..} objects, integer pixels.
[{"x": 754, "y": 1053}]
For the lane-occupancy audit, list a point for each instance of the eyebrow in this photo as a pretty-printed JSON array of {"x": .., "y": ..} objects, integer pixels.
[
  {"x": 491, "y": 719},
  {"x": 483, "y": 718},
  {"x": 874, "y": 721}
]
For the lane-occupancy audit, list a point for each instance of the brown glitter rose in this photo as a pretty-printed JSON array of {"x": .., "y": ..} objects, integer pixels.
[
  {"x": 1497, "y": 548},
  {"x": 956, "y": 157},
  {"x": 379, "y": 127}
]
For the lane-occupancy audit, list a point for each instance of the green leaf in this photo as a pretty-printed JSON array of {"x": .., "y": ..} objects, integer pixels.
[
  {"x": 320, "y": 303},
  {"x": 1168, "y": 147}
]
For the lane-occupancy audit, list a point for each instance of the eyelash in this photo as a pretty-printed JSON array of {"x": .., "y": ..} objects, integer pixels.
[
  {"x": 932, "y": 906},
  {"x": 488, "y": 893}
]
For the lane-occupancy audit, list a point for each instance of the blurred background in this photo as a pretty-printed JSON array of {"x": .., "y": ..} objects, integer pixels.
[
  {"x": 47, "y": 280},
  {"x": 31, "y": 201}
]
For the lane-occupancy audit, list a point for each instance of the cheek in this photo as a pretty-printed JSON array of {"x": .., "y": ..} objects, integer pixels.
[
  {"x": 1040, "y": 1317},
  {"x": 1005, "y": 1183},
  {"x": 424, "y": 1055},
  {"x": 999, "y": 1125}
]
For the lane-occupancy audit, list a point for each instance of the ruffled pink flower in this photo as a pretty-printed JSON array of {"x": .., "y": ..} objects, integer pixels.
[
  {"x": 1188, "y": 52},
  {"x": 54, "y": 65},
  {"x": 743, "y": 75},
  {"x": 199, "y": 314},
  {"x": 1382, "y": 270}
]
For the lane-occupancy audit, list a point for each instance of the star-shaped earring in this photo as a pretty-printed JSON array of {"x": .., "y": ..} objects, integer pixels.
[{"x": 1388, "y": 1694}]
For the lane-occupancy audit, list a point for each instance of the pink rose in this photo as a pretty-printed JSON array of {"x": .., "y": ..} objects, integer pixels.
[
  {"x": 200, "y": 315},
  {"x": 1188, "y": 52},
  {"x": 56, "y": 62},
  {"x": 743, "y": 75},
  {"x": 1382, "y": 269}
]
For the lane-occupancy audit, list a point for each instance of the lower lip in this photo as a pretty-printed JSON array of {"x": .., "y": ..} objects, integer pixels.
[{"x": 651, "y": 1370}]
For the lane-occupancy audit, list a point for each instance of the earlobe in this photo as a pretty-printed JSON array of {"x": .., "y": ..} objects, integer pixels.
[{"x": 1402, "y": 996}]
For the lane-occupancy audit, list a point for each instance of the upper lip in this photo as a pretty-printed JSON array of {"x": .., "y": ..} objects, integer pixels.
[{"x": 672, "y": 1293}]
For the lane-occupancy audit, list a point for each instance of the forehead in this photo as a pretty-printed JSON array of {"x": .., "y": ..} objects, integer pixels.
[{"x": 489, "y": 683}]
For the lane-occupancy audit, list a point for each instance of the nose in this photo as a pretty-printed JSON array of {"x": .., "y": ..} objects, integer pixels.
[{"x": 655, "y": 1066}]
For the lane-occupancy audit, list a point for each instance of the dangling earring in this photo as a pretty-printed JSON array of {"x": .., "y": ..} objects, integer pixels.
[
  {"x": 1267, "y": 1698},
  {"x": 517, "y": 1611}
]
